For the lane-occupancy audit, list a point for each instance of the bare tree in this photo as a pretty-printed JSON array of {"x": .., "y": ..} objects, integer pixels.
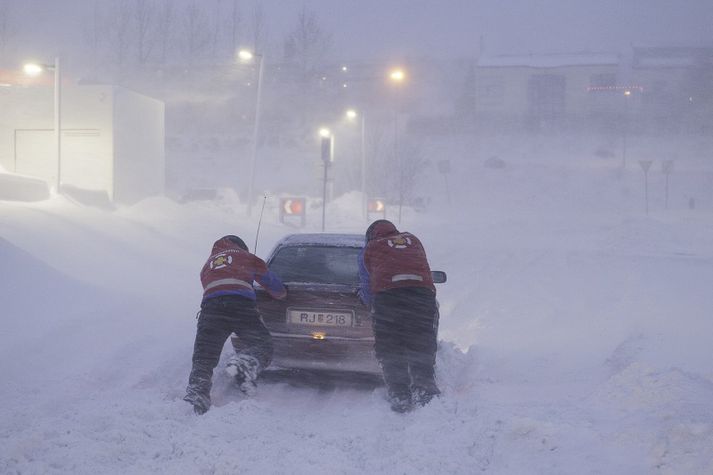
[
  {"x": 215, "y": 28},
  {"x": 307, "y": 45},
  {"x": 120, "y": 32},
  {"x": 6, "y": 29},
  {"x": 404, "y": 172},
  {"x": 259, "y": 30},
  {"x": 94, "y": 32},
  {"x": 165, "y": 29},
  {"x": 234, "y": 21},
  {"x": 144, "y": 19},
  {"x": 195, "y": 33}
]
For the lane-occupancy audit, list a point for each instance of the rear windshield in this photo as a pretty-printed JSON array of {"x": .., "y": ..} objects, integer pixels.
[{"x": 317, "y": 264}]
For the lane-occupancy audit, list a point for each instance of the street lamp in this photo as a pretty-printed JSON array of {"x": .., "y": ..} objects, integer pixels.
[
  {"x": 397, "y": 76},
  {"x": 35, "y": 69},
  {"x": 247, "y": 56},
  {"x": 327, "y": 155},
  {"x": 627, "y": 94},
  {"x": 352, "y": 115}
]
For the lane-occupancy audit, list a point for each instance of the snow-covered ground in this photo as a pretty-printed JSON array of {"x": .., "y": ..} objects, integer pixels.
[{"x": 575, "y": 335}]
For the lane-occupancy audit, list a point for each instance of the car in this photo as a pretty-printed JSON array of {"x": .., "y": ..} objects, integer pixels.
[{"x": 322, "y": 324}]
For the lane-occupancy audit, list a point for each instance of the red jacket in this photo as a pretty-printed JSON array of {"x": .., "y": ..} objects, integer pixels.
[
  {"x": 392, "y": 259},
  {"x": 231, "y": 270}
]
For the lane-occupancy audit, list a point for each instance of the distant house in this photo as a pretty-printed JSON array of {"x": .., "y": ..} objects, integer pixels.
[
  {"x": 676, "y": 85},
  {"x": 112, "y": 139},
  {"x": 540, "y": 90}
]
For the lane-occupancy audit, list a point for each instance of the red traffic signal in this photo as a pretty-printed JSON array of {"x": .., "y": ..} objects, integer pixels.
[
  {"x": 293, "y": 207},
  {"x": 376, "y": 205}
]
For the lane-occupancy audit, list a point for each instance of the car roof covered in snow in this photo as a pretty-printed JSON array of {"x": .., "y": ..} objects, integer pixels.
[{"x": 322, "y": 239}]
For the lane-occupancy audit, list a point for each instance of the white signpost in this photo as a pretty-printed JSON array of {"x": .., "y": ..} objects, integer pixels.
[
  {"x": 645, "y": 166},
  {"x": 667, "y": 169}
]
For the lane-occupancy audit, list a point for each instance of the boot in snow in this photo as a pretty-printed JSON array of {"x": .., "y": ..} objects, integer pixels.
[
  {"x": 422, "y": 395},
  {"x": 400, "y": 400},
  {"x": 200, "y": 401},
  {"x": 245, "y": 370}
]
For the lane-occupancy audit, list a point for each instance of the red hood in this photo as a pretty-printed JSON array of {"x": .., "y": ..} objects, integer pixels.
[
  {"x": 224, "y": 244},
  {"x": 381, "y": 229}
]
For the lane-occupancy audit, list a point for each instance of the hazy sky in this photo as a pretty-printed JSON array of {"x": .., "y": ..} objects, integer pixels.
[{"x": 435, "y": 28}]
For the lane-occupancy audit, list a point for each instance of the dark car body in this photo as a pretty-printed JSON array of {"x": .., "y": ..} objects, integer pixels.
[{"x": 322, "y": 324}]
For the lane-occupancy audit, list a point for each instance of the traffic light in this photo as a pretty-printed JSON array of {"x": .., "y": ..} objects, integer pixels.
[
  {"x": 376, "y": 205},
  {"x": 327, "y": 152}
]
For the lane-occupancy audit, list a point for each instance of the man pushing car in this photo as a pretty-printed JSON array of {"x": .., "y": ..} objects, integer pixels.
[
  {"x": 397, "y": 284},
  {"x": 228, "y": 306}
]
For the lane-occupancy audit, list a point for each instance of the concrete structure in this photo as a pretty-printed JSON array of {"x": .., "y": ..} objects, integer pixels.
[
  {"x": 112, "y": 139},
  {"x": 659, "y": 89},
  {"x": 544, "y": 89}
]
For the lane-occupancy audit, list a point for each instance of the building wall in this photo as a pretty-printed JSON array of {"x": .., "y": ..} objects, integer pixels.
[
  {"x": 27, "y": 139},
  {"x": 112, "y": 139},
  {"x": 507, "y": 91},
  {"x": 26, "y": 108},
  {"x": 87, "y": 138}
]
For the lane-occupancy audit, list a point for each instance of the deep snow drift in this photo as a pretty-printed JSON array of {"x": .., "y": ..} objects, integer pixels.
[{"x": 575, "y": 337}]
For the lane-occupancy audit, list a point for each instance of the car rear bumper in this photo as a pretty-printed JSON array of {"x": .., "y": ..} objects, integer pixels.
[{"x": 330, "y": 353}]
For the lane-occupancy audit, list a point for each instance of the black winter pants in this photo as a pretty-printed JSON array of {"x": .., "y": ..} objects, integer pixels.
[
  {"x": 405, "y": 331},
  {"x": 219, "y": 317}
]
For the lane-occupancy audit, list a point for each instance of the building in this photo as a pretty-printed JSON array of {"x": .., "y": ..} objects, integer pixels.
[
  {"x": 544, "y": 90},
  {"x": 112, "y": 139},
  {"x": 651, "y": 89}
]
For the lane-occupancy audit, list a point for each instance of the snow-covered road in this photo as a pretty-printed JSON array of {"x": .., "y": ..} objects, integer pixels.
[{"x": 569, "y": 344}]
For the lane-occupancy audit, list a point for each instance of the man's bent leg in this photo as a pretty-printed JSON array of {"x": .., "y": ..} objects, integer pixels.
[
  {"x": 422, "y": 345},
  {"x": 211, "y": 334},
  {"x": 390, "y": 353},
  {"x": 253, "y": 350}
]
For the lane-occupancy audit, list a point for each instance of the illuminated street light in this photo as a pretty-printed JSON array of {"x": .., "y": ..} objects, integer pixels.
[
  {"x": 35, "y": 69},
  {"x": 397, "y": 75},
  {"x": 351, "y": 114},
  {"x": 247, "y": 56},
  {"x": 325, "y": 133}
]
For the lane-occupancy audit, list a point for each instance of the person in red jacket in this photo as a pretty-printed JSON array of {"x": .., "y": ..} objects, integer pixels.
[
  {"x": 228, "y": 306},
  {"x": 396, "y": 283}
]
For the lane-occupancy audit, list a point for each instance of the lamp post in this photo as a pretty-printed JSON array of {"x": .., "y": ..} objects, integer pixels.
[
  {"x": 327, "y": 145},
  {"x": 352, "y": 115},
  {"x": 627, "y": 95},
  {"x": 248, "y": 56},
  {"x": 35, "y": 69},
  {"x": 397, "y": 76}
]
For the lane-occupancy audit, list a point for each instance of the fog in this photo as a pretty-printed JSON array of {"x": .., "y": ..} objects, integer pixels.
[{"x": 554, "y": 157}]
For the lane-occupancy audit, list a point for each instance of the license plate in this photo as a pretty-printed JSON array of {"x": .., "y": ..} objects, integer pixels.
[{"x": 320, "y": 318}]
